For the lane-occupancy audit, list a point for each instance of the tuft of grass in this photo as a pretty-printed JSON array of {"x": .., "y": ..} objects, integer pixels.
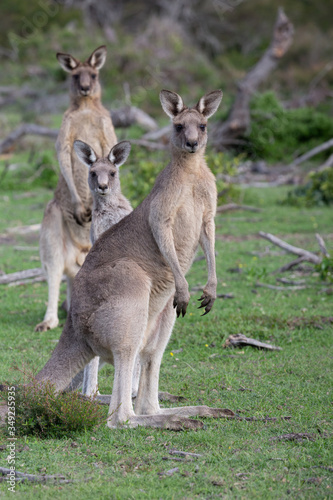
[{"x": 41, "y": 412}]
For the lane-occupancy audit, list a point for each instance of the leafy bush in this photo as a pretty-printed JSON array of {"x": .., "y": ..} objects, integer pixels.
[
  {"x": 40, "y": 411},
  {"x": 317, "y": 191},
  {"x": 325, "y": 269},
  {"x": 278, "y": 133},
  {"x": 224, "y": 166}
]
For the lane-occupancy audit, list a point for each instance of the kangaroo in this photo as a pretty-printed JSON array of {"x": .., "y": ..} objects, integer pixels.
[
  {"x": 109, "y": 207},
  {"x": 132, "y": 284},
  {"x": 64, "y": 238}
]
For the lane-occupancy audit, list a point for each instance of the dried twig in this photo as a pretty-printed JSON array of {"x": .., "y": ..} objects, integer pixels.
[
  {"x": 26, "y": 129},
  {"x": 240, "y": 340},
  {"x": 294, "y": 436},
  {"x": 280, "y": 288},
  {"x": 285, "y": 281},
  {"x": 149, "y": 144},
  {"x": 185, "y": 453},
  {"x": 290, "y": 265},
  {"x": 22, "y": 476},
  {"x": 234, "y": 206},
  {"x": 322, "y": 245}
]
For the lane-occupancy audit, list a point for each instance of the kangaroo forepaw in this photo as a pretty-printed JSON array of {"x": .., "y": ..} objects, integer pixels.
[{"x": 207, "y": 302}]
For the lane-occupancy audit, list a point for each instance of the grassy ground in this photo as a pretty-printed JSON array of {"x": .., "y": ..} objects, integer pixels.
[{"x": 239, "y": 458}]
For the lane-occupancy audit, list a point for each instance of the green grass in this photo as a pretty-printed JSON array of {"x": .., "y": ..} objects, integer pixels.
[{"x": 240, "y": 459}]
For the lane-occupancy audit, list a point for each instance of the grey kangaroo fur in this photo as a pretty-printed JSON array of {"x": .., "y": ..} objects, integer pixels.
[
  {"x": 132, "y": 284},
  {"x": 64, "y": 238},
  {"x": 109, "y": 207}
]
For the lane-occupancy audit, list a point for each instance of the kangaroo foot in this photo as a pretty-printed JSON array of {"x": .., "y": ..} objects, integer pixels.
[
  {"x": 171, "y": 422},
  {"x": 46, "y": 325},
  {"x": 166, "y": 396}
]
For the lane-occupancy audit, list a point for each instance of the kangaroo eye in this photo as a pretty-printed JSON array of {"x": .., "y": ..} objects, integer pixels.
[
  {"x": 93, "y": 174},
  {"x": 93, "y": 77},
  {"x": 178, "y": 127},
  {"x": 112, "y": 174},
  {"x": 76, "y": 77},
  {"x": 203, "y": 127}
]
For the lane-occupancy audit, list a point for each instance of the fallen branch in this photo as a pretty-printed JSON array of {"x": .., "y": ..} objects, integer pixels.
[
  {"x": 149, "y": 144},
  {"x": 169, "y": 472},
  {"x": 185, "y": 453},
  {"x": 313, "y": 152},
  {"x": 290, "y": 265},
  {"x": 225, "y": 296},
  {"x": 240, "y": 340},
  {"x": 121, "y": 118},
  {"x": 129, "y": 115},
  {"x": 285, "y": 281},
  {"x": 21, "y": 275},
  {"x": 309, "y": 256},
  {"x": 234, "y": 206},
  {"x": 160, "y": 134},
  {"x": 22, "y": 476},
  {"x": 24, "y": 230},
  {"x": 26, "y": 129},
  {"x": 294, "y": 436},
  {"x": 322, "y": 245},
  {"x": 279, "y": 288}
]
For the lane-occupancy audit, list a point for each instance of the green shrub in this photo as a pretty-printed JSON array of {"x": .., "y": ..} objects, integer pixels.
[
  {"x": 277, "y": 134},
  {"x": 40, "y": 411},
  {"x": 325, "y": 269},
  {"x": 224, "y": 167},
  {"x": 317, "y": 191}
]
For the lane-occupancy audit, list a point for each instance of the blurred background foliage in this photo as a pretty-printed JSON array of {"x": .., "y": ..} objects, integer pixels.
[{"x": 186, "y": 45}]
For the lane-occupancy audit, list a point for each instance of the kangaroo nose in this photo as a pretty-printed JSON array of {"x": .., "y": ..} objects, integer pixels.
[
  {"x": 85, "y": 88},
  {"x": 102, "y": 187},
  {"x": 192, "y": 144}
]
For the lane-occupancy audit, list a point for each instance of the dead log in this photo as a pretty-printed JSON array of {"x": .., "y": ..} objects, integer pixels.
[
  {"x": 122, "y": 118},
  {"x": 5, "y": 279},
  {"x": 280, "y": 288},
  {"x": 309, "y": 256},
  {"x": 22, "y": 476},
  {"x": 129, "y": 115},
  {"x": 238, "y": 120},
  {"x": 289, "y": 266},
  {"x": 149, "y": 144},
  {"x": 313, "y": 152},
  {"x": 26, "y": 129},
  {"x": 240, "y": 340},
  {"x": 234, "y": 206},
  {"x": 10, "y": 94}
]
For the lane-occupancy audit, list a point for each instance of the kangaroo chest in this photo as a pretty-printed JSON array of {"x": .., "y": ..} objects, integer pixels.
[{"x": 194, "y": 206}]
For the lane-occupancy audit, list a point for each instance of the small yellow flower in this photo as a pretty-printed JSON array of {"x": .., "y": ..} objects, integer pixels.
[
  {"x": 171, "y": 353},
  {"x": 240, "y": 265},
  {"x": 206, "y": 345}
]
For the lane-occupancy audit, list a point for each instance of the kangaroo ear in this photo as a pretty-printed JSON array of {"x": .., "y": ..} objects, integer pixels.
[
  {"x": 67, "y": 62},
  {"x": 119, "y": 153},
  {"x": 85, "y": 153},
  {"x": 171, "y": 102},
  {"x": 98, "y": 57},
  {"x": 209, "y": 103}
]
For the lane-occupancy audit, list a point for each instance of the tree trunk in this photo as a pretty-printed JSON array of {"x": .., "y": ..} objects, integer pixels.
[{"x": 236, "y": 125}]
